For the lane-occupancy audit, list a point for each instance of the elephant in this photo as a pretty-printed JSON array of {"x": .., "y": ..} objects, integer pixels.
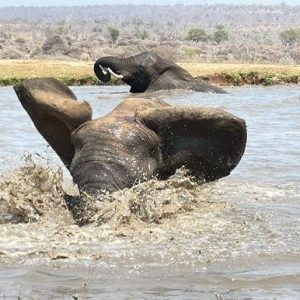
[
  {"x": 138, "y": 140},
  {"x": 149, "y": 72}
]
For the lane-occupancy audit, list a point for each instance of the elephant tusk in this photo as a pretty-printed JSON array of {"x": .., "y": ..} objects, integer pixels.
[
  {"x": 114, "y": 74},
  {"x": 104, "y": 71}
]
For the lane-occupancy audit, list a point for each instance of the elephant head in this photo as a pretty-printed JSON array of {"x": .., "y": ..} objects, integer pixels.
[
  {"x": 139, "y": 139},
  {"x": 149, "y": 72}
]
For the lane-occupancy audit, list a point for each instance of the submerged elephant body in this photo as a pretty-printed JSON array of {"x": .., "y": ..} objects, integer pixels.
[
  {"x": 139, "y": 139},
  {"x": 149, "y": 72}
]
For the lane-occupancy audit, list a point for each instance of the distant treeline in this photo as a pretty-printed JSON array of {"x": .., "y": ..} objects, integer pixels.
[
  {"x": 185, "y": 33},
  {"x": 209, "y": 15}
]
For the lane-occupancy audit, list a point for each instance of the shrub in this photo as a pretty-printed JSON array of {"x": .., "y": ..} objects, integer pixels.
[
  {"x": 221, "y": 34},
  {"x": 53, "y": 42},
  {"x": 189, "y": 52},
  {"x": 20, "y": 40},
  {"x": 290, "y": 36},
  {"x": 114, "y": 34},
  {"x": 197, "y": 35},
  {"x": 142, "y": 34}
]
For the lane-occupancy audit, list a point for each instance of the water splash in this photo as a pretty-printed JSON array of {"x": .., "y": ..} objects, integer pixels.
[
  {"x": 31, "y": 192},
  {"x": 176, "y": 221}
]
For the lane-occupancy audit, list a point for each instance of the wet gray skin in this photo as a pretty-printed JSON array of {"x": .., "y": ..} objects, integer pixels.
[
  {"x": 138, "y": 140},
  {"x": 149, "y": 72}
]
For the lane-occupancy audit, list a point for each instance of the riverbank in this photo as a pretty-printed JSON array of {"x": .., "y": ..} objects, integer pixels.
[{"x": 81, "y": 73}]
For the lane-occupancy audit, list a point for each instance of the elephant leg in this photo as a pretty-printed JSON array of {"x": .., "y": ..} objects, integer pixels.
[
  {"x": 55, "y": 112},
  {"x": 209, "y": 142}
]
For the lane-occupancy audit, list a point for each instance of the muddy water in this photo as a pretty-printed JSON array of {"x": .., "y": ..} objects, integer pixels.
[{"x": 232, "y": 239}]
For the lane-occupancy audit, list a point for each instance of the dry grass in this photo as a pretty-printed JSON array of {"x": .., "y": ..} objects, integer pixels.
[
  {"x": 13, "y": 71},
  {"x": 80, "y": 73},
  {"x": 210, "y": 69},
  {"x": 32, "y": 68}
]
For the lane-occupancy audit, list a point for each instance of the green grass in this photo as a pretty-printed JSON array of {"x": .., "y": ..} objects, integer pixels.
[{"x": 13, "y": 72}]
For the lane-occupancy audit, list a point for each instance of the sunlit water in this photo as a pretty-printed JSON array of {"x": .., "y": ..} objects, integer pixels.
[{"x": 232, "y": 239}]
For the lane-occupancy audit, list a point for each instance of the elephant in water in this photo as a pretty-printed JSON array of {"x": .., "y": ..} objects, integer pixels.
[
  {"x": 149, "y": 72},
  {"x": 138, "y": 140}
]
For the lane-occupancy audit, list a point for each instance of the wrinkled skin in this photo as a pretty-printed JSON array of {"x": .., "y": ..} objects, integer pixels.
[
  {"x": 149, "y": 72},
  {"x": 139, "y": 139}
]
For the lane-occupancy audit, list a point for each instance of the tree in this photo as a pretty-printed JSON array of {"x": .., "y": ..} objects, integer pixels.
[
  {"x": 142, "y": 34},
  {"x": 114, "y": 34},
  {"x": 197, "y": 35},
  {"x": 53, "y": 43},
  {"x": 221, "y": 34},
  {"x": 290, "y": 36}
]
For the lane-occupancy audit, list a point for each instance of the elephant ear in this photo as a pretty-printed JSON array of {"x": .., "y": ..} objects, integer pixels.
[
  {"x": 55, "y": 112},
  {"x": 208, "y": 142}
]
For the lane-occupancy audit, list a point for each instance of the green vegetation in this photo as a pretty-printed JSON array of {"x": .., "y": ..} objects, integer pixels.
[
  {"x": 200, "y": 35},
  {"x": 142, "y": 34},
  {"x": 114, "y": 34},
  {"x": 189, "y": 52},
  {"x": 197, "y": 35},
  {"x": 251, "y": 78},
  {"x": 220, "y": 35},
  {"x": 290, "y": 36}
]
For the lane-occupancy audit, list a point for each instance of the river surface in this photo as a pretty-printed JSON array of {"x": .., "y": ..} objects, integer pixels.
[{"x": 238, "y": 238}]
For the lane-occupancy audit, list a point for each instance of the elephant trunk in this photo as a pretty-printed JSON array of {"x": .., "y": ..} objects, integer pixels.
[{"x": 106, "y": 66}]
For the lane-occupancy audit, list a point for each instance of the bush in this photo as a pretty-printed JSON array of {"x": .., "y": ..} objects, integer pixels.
[
  {"x": 114, "y": 34},
  {"x": 20, "y": 40},
  {"x": 197, "y": 35},
  {"x": 221, "y": 34},
  {"x": 189, "y": 52},
  {"x": 295, "y": 54},
  {"x": 54, "y": 42},
  {"x": 290, "y": 36},
  {"x": 142, "y": 34}
]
